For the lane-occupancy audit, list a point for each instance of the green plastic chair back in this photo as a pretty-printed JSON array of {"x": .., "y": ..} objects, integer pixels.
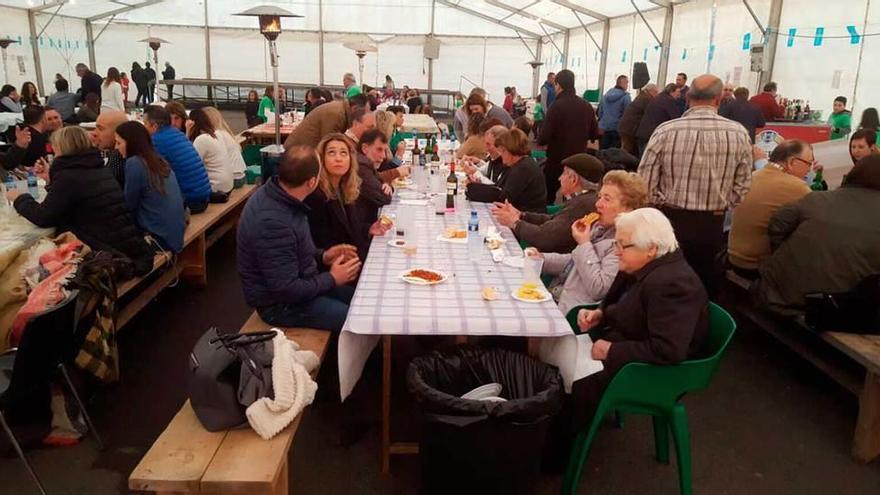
[
  {"x": 553, "y": 209},
  {"x": 641, "y": 388},
  {"x": 539, "y": 154},
  {"x": 251, "y": 154},
  {"x": 592, "y": 95}
]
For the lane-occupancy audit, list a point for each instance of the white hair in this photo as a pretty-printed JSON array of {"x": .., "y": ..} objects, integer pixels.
[
  {"x": 648, "y": 227},
  {"x": 650, "y": 87}
]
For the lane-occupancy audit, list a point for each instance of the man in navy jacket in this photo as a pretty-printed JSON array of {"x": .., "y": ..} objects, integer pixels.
[{"x": 283, "y": 275}]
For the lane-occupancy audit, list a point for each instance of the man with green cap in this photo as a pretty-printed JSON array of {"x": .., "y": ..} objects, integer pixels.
[{"x": 579, "y": 184}]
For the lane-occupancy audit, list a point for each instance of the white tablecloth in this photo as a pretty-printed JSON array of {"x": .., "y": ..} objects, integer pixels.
[
  {"x": 383, "y": 304},
  {"x": 421, "y": 123}
]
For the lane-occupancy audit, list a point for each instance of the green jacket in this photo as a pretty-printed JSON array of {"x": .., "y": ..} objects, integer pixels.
[
  {"x": 265, "y": 104},
  {"x": 539, "y": 112},
  {"x": 354, "y": 90},
  {"x": 396, "y": 138},
  {"x": 841, "y": 124}
]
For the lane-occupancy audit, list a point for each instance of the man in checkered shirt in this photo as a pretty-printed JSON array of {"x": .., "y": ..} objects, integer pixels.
[{"x": 696, "y": 168}]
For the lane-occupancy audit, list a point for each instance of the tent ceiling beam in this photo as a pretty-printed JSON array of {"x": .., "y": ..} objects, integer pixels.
[
  {"x": 582, "y": 10},
  {"x": 647, "y": 24},
  {"x": 550, "y": 39},
  {"x": 755, "y": 17},
  {"x": 48, "y": 5},
  {"x": 587, "y": 30},
  {"x": 522, "y": 12},
  {"x": 531, "y": 52},
  {"x": 43, "y": 29},
  {"x": 110, "y": 21},
  {"x": 489, "y": 18},
  {"x": 666, "y": 4},
  {"x": 125, "y": 9}
]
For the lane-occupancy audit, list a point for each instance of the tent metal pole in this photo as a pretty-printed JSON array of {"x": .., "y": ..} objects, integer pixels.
[
  {"x": 430, "y": 60},
  {"x": 665, "y": 47},
  {"x": 536, "y": 72},
  {"x": 207, "y": 53},
  {"x": 603, "y": 63},
  {"x": 35, "y": 46},
  {"x": 52, "y": 18},
  {"x": 321, "y": 43},
  {"x": 771, "y": 38},
  {"x": 565, "y": 48},
  {"x": 861, "y": 52},
  {"x": 90, "y": 35}
]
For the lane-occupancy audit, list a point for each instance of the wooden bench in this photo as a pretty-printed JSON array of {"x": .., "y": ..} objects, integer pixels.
[
  {"x": 203, "y": 231},
  {"x": 186, "y": 458},
  {"x": 863, "y": 350}
]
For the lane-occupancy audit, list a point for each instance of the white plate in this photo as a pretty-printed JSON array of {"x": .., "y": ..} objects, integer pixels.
[
  {"x": 394, "y": 243},
  {"x": 457, "y": 240},
  {"x": 547, "y": 297},
  {"x": 88, "y": 125},
  {"x": 416, "y": 281},
  {"x": 483, "y": 392},
  {"x": 515, "y": 262},
  {"x": 493, "y": 399},
  {"x": 402, "y": 183},
  {"x": 410, "y": 195}
]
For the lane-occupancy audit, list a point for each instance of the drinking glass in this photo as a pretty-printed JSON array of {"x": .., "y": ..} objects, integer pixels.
[
  {"x": 405, "y": 216},
  {"x": 532, "y": 266}
]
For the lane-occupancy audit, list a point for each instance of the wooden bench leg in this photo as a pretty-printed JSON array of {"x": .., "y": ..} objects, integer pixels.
[
  {"x": 866, "y": 444},
  {"x": 386, "y": 404},
  {"x": 195, "y": 270}
]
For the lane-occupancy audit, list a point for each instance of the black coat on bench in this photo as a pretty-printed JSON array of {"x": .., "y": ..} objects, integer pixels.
[
  {"x": 83, "y": 197},
  {"x": 827, "y": 242}
]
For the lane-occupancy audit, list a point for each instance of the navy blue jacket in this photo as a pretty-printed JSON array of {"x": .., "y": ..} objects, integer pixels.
[
  {"x": 746, "y": 113},
  {"x": 188, "y": 166},
  {"x": 277, "y": 259}
]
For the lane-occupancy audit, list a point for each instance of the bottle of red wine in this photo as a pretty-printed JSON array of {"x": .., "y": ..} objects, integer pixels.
[{"x": 451, "y": 189}]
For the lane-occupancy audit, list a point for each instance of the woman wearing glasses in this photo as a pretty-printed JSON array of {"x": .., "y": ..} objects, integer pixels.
[
  {"x": 779, "y": 183},
  {"x": 585, "y": 275},
  {"x": 655, "y": 312}
]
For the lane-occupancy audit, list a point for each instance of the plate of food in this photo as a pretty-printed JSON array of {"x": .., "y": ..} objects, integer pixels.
[
  {"x": 397, "y": 243},
  {"x": 423, "y": 276},
  {"x": 386, "y": 221},
  {"x": 402, "y": 182},
  {"x": 531, "y": 293},
  {"x": 454, "y": 234}
]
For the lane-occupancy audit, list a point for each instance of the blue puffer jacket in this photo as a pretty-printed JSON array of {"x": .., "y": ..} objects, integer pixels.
[
  {"x": 277, "y": 260},
  {"x": 188, "y": 166},
  {"x": 611, "y": 109}
]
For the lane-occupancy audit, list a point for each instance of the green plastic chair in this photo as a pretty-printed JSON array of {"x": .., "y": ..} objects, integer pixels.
[
  {"x": 641, "y": 388},
  {"x": 553, "y": 209},
  {"x": 251, "y": 154}
]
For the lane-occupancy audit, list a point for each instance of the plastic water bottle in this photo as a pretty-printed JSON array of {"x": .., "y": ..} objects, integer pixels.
[
  {"x": 475, "y": 242},
  {"x": 9, "y": 185},
  {"x": 32, "y": 183}
]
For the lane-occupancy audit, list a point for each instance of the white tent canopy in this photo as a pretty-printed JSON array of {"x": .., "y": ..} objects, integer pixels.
[{"x": 814, "y": 52}]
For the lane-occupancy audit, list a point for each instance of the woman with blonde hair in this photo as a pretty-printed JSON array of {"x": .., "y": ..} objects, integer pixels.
[
  {"x": 336, "y": 215},
  {"x": 233, "y": 150},
  {"x": 85, "y": 199}
]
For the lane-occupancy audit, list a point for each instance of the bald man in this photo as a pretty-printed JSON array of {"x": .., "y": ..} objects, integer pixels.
[
  {"x": 697, "y": 167},
  {"x": 104, "y": 138}
]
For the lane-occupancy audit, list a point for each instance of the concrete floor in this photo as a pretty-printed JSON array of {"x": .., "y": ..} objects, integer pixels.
[{"x": 769, "y": 423}]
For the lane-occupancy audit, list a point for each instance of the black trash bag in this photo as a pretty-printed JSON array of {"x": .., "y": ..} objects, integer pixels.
[{"x": 471, "y": 446}]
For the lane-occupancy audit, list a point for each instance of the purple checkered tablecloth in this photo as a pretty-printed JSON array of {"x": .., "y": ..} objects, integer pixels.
[{"x": 383, "y": 304}]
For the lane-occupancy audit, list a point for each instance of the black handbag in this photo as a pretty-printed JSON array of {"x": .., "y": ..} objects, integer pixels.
[
  {"x": 856, "y": 311},
  {"x": 483, "y": 193},
  {"x": 218, "y": 363}
]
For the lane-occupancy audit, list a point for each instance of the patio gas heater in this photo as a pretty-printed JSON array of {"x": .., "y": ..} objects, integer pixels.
[
  {"x": 536, "y": 64},
  {"x": 155, "y": 43},
  {"x": 270, "y": 27},
  {"x": 4, "y": 44},
  {"x": 361, "y": 50}
]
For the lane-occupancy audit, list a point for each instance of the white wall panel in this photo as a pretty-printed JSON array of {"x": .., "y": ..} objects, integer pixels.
[
  {"x": 631, "y": 41},
  {"x": 14, "y": 24},
  {"x": 62, "y": 45},
  {"x": 119, "y": 47}
]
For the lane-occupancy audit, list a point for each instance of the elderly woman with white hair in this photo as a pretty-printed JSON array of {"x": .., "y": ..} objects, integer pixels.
[{"x": 656, "y": 311}]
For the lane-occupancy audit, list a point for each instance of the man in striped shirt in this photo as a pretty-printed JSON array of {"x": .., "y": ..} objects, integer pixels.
[{"x": 696, "y": 168}]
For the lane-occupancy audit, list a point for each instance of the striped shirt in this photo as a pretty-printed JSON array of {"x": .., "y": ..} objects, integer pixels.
[{"x": 699, "y": 162}]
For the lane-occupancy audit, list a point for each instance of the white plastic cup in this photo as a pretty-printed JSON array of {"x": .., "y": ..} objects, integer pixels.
[{"x": 532, "y": 270}]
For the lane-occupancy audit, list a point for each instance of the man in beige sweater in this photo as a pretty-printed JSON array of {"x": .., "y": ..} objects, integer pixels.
[
  {"x": 779, "y": 183},
  {"x": 328, "y": 118}
]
